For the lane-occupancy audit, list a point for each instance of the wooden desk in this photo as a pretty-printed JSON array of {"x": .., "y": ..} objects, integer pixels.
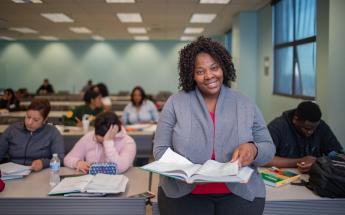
[
  {"x": 143, "y": 139},
  {"x": 286, "y": 200},
  {"x": 54, "y": 117},
  {"x": 70, "y": 105},
  {"x": 29, "y": 196}
]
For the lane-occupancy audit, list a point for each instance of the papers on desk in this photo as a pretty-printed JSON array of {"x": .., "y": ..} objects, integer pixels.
[
  {"x": 12, "y": 171},
  {"x": 176, "y": 166},
  {"x": 100, "y": 183}
]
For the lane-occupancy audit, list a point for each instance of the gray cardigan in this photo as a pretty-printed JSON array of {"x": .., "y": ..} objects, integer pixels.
[
  {"x": 23, "y": 146},
  {"x": 186, "y": 127}
]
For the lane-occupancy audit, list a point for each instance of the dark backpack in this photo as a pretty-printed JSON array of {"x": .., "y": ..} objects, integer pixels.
[{"x": 327, "y": 178}]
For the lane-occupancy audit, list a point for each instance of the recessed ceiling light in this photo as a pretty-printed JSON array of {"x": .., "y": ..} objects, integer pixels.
[
  {"x": 50, "y": 38},
  {"x": 130, "y": 17},
  {"x": 36, "y": 1},
  {"x": 214, "y": 1},
  {"x": 80, "y": 30},
  {"x": 187, "y": 38},
  {"x": 25, "y": 30},
  {"x": 120, "y": 1},
  {"x": 202, "y": 17},
  {"x": 6, "y": 38},
  {"x": 137, "y": 30},
  {"x": 97, "y": 37},
  {"x": 141, "y": 38},
  {"x": 193, "y": 30},
  {"x": 57, "y": 17}
]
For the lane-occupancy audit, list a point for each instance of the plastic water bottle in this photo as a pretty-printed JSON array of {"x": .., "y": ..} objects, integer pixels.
[{"x": 54, "y": 170}]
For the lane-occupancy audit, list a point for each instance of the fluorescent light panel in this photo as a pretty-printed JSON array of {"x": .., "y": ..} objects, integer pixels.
[
  {"x": 129, "y": 17},
  {"x": 80, "y": 30},
  {"x": 187, "y": 38},
  {"x": 190, "y": 30},
  {"x": 214, "y": 1},
  {"x": 202, "y": 17},
  {"x": 6, "y": 38},
  {"x": 120, "y": 1},
  {"x": 57, "y": 17},
  {"x": 141, "y": 38},
  {"x": 97, "y": 37},
  {"x": 24, "y": 30},
  {"x": 137, "y": 30},
  {"x": 50, "y": 38},
  {"x": 28, "y": 1}
]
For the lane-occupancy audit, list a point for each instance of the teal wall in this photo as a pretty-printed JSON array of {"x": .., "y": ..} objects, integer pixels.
[
  {"x": 330, "y": 86},
  {"x": 244, "y": 52},
  {"x": 69, "y": 64}
]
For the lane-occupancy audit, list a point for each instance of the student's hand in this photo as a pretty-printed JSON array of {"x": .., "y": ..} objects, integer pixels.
[
  {"x": 304, "y": 164},
  {"x": 83, "y": 166},
  {"x": 112, "y": 131},
  {"x": 245, "y": 154},
  {"x": 37, "y": 165},
  {"x": 78, "y": 122}
]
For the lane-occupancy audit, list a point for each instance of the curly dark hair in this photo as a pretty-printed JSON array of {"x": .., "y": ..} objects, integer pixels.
[{"x": 215, "y": 50}]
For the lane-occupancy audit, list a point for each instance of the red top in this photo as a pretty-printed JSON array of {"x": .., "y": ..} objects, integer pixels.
[{"x": 211, "y": 188}]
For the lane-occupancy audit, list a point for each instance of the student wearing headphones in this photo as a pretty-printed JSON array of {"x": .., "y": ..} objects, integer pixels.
[{"x": 109, "y": 142}]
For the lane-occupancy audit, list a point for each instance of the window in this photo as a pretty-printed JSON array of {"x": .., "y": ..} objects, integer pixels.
[{"x": 294, "y": 47}]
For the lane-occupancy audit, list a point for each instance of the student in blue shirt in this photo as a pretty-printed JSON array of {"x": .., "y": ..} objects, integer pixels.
[{"x": 140, "y": 109}]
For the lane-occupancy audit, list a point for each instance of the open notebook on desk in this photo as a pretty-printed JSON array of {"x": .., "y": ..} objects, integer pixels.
[
  {"x": 100, "y": 183},
  {"x": 176, "y": 166},
  {"x": 12, "y": 170}
]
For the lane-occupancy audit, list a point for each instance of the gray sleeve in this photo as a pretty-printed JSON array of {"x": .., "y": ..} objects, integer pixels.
[
  {"x": 262, "y": 139},
  {"x": 4, "y": 143},
  {"x": 57, "y": 146},
  {"x": 164, "y": 131}
]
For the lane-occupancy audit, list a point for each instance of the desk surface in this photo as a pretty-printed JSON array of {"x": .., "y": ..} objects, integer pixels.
[
  {"x": 285, "y": 200},
  {"x": 29, "y": 196}
]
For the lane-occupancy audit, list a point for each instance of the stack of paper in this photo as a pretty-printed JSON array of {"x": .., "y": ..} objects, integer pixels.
[{"x": 12, "y": 171}]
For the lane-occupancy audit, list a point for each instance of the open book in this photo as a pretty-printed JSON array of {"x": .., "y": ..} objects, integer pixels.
[
  {"x": 275, "y": 177},
  {"x": 12, "y": 170},
  {"x": 100, "y": 183},
  {"x": 176, "y": 166}
]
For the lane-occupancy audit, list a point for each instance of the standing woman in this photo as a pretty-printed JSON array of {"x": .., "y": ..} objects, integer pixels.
[
  {"x": 32, "y": 142},
  {"x": 140, "y": 109},
  {"x": 209, "y": 120},
  {"x": 9, "y": 101}
]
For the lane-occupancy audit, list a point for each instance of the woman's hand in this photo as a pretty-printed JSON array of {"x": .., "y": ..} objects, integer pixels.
[
  {"x": 112, "y": 131},
  {"x": 83, "y": 166},
  {"x": 245, "y": 154},
  {"x": 36, "y": 165}
]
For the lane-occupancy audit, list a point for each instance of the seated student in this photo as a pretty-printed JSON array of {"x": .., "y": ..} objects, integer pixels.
[
  {"x": 87, "y": 86},
  {"x": 92, "y": 107},
  {"x": 9, "y": 101},
  {"x": 45, "y": 89},
  {"x": 32, "y": 142},
  {"x": 140, "y": 109},
  {"x": 108, "y": 143},
  {"x": 103, "y": 90},
  {"x": 300, "y": 135}
]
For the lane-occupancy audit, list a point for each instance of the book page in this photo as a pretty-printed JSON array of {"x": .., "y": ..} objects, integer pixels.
[
  {"x": 103, "y": 183},
  {"x": 215, "y": 168},
  {"x": 72, "y": 184},
  {"x": 243, "y": 176}
]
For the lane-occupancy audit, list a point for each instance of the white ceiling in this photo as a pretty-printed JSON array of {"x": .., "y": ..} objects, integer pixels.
[{"x": 163, "y": 19}]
